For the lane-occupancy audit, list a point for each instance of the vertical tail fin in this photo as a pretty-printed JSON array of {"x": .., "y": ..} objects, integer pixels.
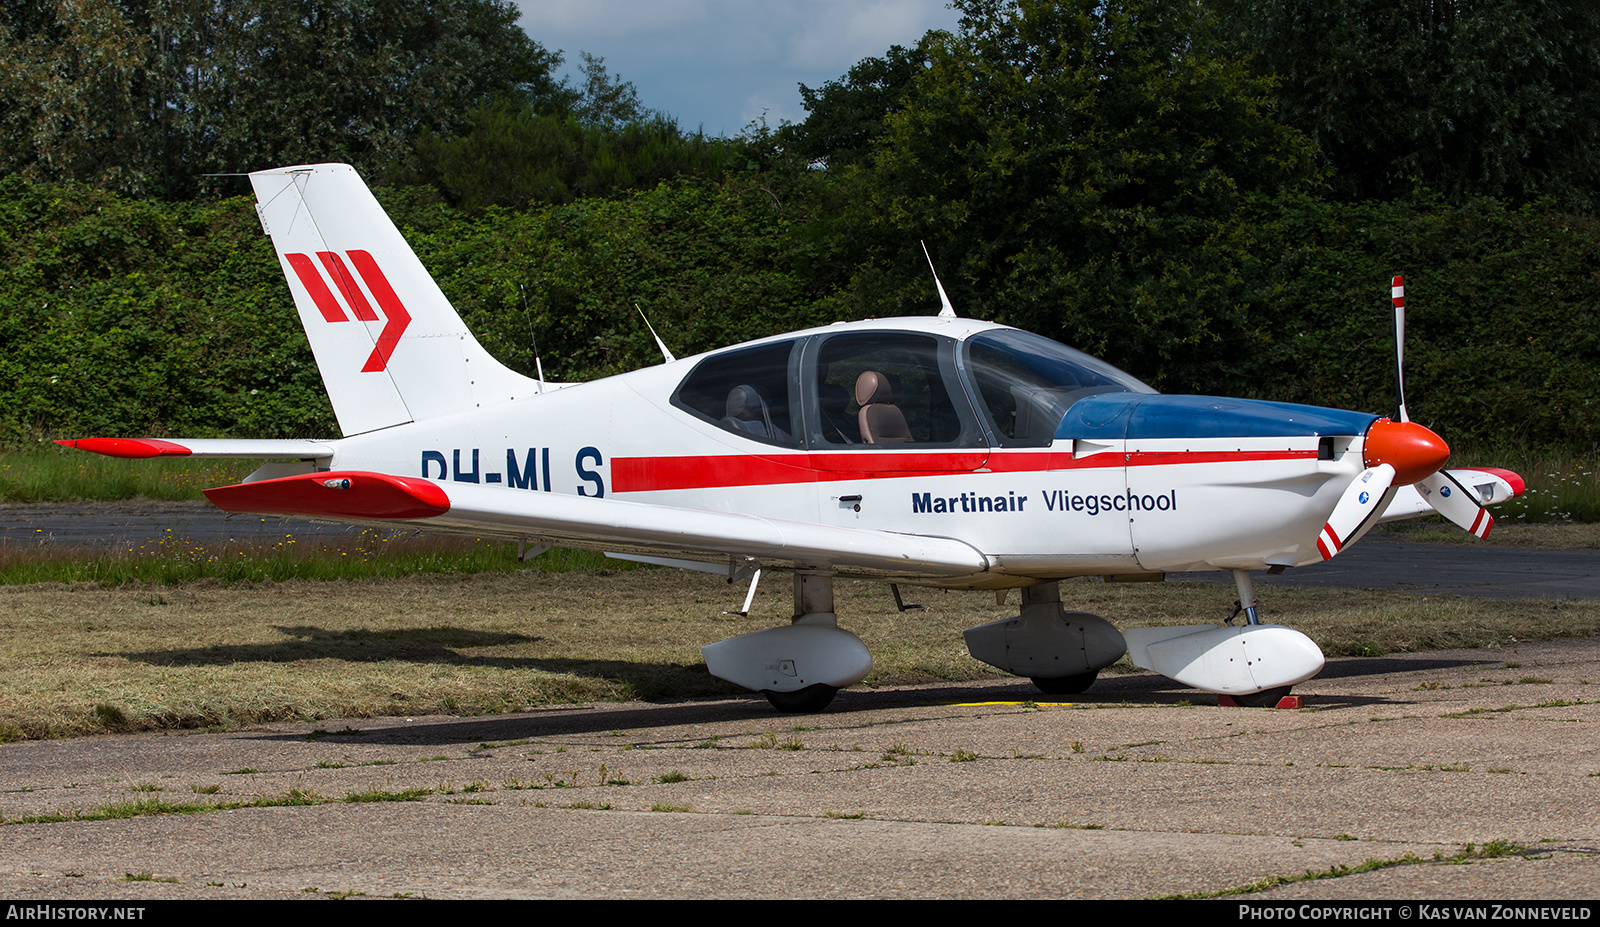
[{"x": 390, "y": 347}]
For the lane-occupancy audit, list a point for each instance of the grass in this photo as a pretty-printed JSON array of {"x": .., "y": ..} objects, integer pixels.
[
  {"x": 368, "y": 554},
  {"x": 57, "y": 474},
  {"x": 1493, "y": 849},
  {"x": 118, "y": 811},
  {"x": 82, "y": 658},
  {"x": 1562, "y": 487},
  {"x": 175, "y": 634}
]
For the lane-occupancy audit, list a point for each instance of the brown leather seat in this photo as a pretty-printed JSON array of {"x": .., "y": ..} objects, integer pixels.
[{"x": 881, "y": 421}]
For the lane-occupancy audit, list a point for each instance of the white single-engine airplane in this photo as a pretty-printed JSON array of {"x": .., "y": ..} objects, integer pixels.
[{"x": 935, "y": 451}]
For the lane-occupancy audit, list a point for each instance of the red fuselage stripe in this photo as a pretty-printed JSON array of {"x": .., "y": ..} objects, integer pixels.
[{"x": 657, "y": 474}]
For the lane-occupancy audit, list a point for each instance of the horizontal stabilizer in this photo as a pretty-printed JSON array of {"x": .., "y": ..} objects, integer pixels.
[{"x": 140, "y": 448}]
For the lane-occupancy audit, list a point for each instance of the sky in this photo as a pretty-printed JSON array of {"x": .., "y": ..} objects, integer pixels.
[{"x": 718, "y": 65}]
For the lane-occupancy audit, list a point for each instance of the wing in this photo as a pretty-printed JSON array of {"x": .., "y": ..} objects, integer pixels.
[{"x": 628, "y": 527}]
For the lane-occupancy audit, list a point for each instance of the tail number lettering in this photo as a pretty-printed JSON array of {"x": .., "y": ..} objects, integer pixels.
[{"x": 529, "y": 469}]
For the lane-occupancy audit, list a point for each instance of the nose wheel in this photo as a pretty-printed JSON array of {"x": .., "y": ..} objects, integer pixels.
[{"x": 1266, "y": 698}]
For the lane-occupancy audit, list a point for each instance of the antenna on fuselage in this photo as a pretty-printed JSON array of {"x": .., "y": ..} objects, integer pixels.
[
  {"x": 538, "y": 365},
  {"x": 946, "y": 311},
  {"x": 659, "y": 343}
]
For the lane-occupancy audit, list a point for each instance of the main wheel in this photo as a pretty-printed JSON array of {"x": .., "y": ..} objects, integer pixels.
[
  {"x": 1266, "y": 698},
  {"x": 809, "y": 700},
  {"x": 1065, "y": 685}
]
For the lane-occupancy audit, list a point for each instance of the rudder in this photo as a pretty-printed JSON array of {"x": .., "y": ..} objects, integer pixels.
[{"x": 390, "y": 347}]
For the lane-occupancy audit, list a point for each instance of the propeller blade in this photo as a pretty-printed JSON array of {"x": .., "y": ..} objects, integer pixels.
[
  {"x": 1416, "y": 454},
  {"x": 1367, "y": 496},
  {"x": 1397, "y": 294},
  {"x": 1455, "y": 502}
]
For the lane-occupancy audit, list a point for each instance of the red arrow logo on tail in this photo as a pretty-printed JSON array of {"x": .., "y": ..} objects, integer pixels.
[
  {"x": 377, "y": 284},
  {"x": 399, "y": 318}
]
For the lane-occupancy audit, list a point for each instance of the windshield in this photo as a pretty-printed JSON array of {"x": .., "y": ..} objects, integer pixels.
[{"x": 1026, "y": 383}]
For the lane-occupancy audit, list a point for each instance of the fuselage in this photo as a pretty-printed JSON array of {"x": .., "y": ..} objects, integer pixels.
[{"x": 1052, "y": 468}]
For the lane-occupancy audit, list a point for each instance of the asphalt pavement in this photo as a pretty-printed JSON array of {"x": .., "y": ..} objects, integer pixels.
[{"x": 1455, "y": 774}]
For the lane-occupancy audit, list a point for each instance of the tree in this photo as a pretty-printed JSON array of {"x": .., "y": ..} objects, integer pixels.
[
  {"x": 1461, "y": 97},
  {"x": 606, "y": 102},
  {"x": 510, "y": 156},
  {"x": 166, "y": 91},
  {"x": 1074, "y": 168},
  {"x": 70, "y": 74},
  {"x": 848, "y": 114}
]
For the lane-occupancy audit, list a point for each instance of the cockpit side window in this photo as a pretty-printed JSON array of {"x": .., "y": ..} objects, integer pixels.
[
  {"x": 1026, "y": 383},
  {"x": 747, "y": 392},
  {"x": 889, "y": 388}
]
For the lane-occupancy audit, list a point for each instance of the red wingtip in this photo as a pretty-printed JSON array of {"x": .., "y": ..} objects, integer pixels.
[
  {"x": 352, "y": 494},
  {"x": 130, "y": 448},
  {"x": 1518, "y": 487}
]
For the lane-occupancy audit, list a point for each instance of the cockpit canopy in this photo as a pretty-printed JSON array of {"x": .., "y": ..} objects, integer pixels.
[
  {"x": 874, "y": 387},
  {"x": 1026, "y": 383}
]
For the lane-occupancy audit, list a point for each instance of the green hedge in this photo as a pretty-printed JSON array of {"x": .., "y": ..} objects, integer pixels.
[
  {"x": 1502, "y": 315},
  {"x": 127, "y": 317}
]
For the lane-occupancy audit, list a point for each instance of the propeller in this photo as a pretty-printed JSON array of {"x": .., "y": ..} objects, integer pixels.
[
  {"x": 1455, "y": 502},
  {"x": 1400, "y": 453},
  {"x": 1368, "y": 495},
  {"x": 1397, "y": 295}
]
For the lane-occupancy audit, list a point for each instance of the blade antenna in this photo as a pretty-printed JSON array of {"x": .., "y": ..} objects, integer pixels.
[
  {"x": 659, "y": 343},
  {"x": 538, "y": 365},
  {"x": 1397, "y": 294},
  {"x": 946, "y": 310}
]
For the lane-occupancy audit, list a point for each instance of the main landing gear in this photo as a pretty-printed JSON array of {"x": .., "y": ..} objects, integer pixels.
[
  {"x": 1061, "y": 651},
  {"x": 801, "y": 666},
  {"x": 1064, "y": 685}
]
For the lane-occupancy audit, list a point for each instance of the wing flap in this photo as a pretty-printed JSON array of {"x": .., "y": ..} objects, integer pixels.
[{"x": 579, "y": 521}]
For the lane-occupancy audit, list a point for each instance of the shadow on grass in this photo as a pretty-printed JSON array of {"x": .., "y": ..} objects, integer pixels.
[
  {"x": 441, "y": 646},
  {"x": 415, "y": 645}
]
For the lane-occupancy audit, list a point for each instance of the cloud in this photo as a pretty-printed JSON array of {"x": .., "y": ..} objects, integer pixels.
[
  {"x": 858, "y": 30},
  {"x": 722, "y": 63},
  {"x": 612, "y": 17}
]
